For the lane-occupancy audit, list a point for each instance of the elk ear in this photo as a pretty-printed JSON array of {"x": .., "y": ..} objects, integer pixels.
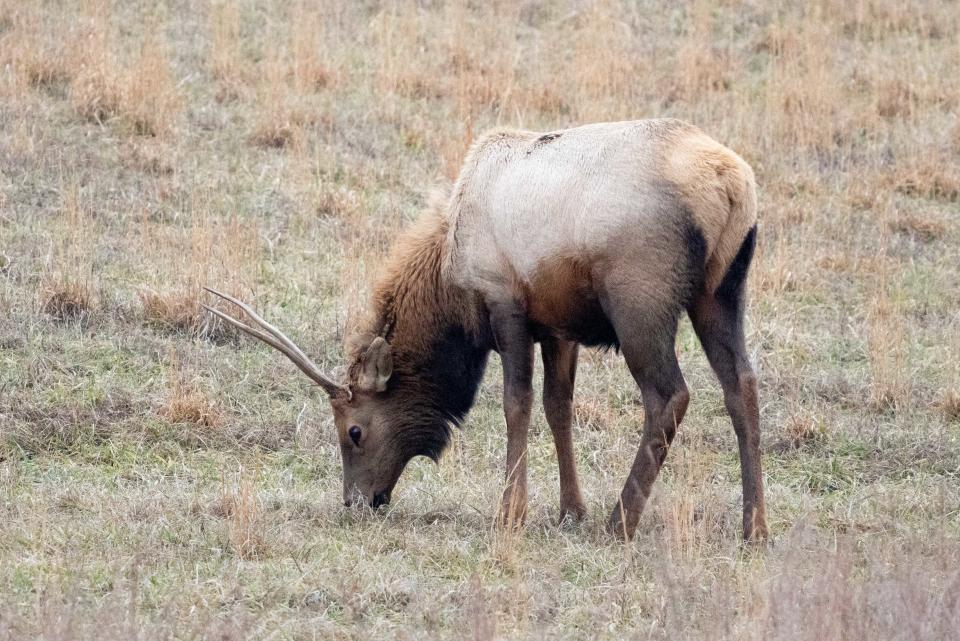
[{"x": 376, "y": 366}]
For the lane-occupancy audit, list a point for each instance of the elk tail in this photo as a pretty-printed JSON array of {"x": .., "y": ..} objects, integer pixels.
[{"x": 734, "y": 249}]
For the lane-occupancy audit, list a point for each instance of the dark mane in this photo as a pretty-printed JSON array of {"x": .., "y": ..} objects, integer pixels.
[
  {"x": 432, "y": 399},
  {"x": 437, "y": 338}
]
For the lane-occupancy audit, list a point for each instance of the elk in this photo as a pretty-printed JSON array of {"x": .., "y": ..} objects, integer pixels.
[{"x": 601, "y": 236}]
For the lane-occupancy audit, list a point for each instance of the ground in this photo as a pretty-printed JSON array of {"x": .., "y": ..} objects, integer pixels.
[{"x": 162, "y": 477}]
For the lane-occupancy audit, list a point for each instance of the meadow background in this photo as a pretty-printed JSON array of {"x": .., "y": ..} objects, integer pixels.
[{"x": 161, "y": 477}]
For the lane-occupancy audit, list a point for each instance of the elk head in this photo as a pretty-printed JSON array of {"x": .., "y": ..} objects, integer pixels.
[{"x": 362, "y": 410}]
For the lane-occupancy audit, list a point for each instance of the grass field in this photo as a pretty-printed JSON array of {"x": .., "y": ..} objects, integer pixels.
[{"x": 160, "y": 477}]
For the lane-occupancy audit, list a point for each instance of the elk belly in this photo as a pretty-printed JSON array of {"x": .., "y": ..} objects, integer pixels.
[{"x": 561, "y": 299}]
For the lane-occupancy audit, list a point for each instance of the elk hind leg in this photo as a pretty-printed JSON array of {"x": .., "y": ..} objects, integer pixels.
[{"x": 718, "y": 320}]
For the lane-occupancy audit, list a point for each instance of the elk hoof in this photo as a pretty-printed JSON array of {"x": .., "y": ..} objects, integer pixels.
[
  {"x": 573, "y": 511},
  {"x": 513, "y": 513},
  {"x": 617, "y": 528},
  {"x": 757, "y": 536},
  {"x": 507, "y": 520}
]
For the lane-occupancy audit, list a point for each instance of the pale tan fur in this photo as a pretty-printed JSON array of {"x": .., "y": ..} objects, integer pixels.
[{"x": 602, "y": 193}]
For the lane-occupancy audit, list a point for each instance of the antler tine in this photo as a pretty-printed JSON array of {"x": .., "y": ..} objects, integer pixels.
[
  {"x": 278, "y": 340},
  {"x": 276, "y": 333},
  {"x": 266, "y": 338}
]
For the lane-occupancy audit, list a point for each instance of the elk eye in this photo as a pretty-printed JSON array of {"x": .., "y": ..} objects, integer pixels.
[{"x": 355, "y": 433}]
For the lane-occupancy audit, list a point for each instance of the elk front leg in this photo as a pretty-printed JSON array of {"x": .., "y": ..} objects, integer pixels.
[
  {"x": 515, "y": 346},
  {"x": 559, "y": 373}
]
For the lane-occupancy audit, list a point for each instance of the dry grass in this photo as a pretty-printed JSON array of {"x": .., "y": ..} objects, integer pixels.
[
  {"x": 592, "y": 414},
  {"x": 86, "y": 57},
  {"x": 227, "y": 63},
  {"x": 891, "y": 384},
  {"x": 274, "y": 149},
  {"x": 95, "y": 73},
  {"x": 802, "y": 429},
  {"x": 175, "y": 310},
  {"x": 151, "y": 101},
  {"x": 950, "y": 404},
  {"x": 206, "y": 250},
  {"x": 68, "y": 300},
  {"x": 930, "y": 175},
  {"x": 243, "y": 514},
  {"x": 923, "y": 228},
  {"x": 186, "y": 402}
]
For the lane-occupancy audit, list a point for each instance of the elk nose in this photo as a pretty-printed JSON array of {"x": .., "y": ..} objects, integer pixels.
[{"x": 380, "y": 498}]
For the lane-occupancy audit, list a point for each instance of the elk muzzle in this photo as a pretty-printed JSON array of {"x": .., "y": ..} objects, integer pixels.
[{"x": 356, "y": 497}]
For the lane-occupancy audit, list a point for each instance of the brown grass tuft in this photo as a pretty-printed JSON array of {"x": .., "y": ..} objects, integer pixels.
[
  {"x": 45, "y": 72},
  {"x": 226, "y": 61},
  {"x": 143, "y": 95},
  {"x": 803, "y": 428},
  {"x": 176, "y": 309},
  {"x": 240, "y": 507},
  {"x": 778, "y": 273},
  {"x": 592, "y": 414},
  {"x": 895, "y": 99},
  {"x": 68, "y": 289},
  {"x": 276, "y": 133},
  {"x": 949, "y": 404},
  {"x": 701, "y": 67},
  {"x": 803, "y": 97},
  {"x": 150, "y": 157},
  {"x": 205, "y": 250},
  {"x": 888, "y": 350},
  {"x": 277, "y": 123},
  {"x": 95, "y": 89},
  {"x": 953, "y": 138},
  {"x": 150, "y": 100},
  {"x": 68, "y": 300},
  {"x": 291, "y": 73},
  {"x": 40, "y": 60},
  {"x": 604, "y": 64},
  {"x": 921, "y": 227},
  {"x": 188, "y": 403},
  {"x": 181, "y": 310},
  {"x": 928, "y": 175},
  {"x": 309, "y": 63},
  {"x": 337, "y": 201},
  {"x": 397, "y": 35},
  {"x": 173, "y": 309}
]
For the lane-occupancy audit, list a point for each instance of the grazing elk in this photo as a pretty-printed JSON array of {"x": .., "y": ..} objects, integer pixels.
[{"x": 600, "y": 235}]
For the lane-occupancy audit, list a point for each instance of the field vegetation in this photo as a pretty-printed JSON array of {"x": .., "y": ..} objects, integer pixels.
[{"x": 163, "y": 478}]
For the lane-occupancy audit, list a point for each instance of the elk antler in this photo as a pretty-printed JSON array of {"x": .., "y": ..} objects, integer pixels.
[{"x": 278, "y": 340}]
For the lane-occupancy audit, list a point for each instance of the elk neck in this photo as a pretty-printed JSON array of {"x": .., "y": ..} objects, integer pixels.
[{"x": 438, "y": 332}]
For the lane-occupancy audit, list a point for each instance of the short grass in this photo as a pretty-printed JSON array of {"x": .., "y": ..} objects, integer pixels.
[{"x": 161, "y": 477}]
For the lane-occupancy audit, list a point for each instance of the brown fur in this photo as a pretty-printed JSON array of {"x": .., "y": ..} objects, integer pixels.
[
  {"x": 555, "y": 295},
  {"x": 436, "y": 333},
  {"x": 412, "y": 302},
  {"x": 562, "y": 297}
]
